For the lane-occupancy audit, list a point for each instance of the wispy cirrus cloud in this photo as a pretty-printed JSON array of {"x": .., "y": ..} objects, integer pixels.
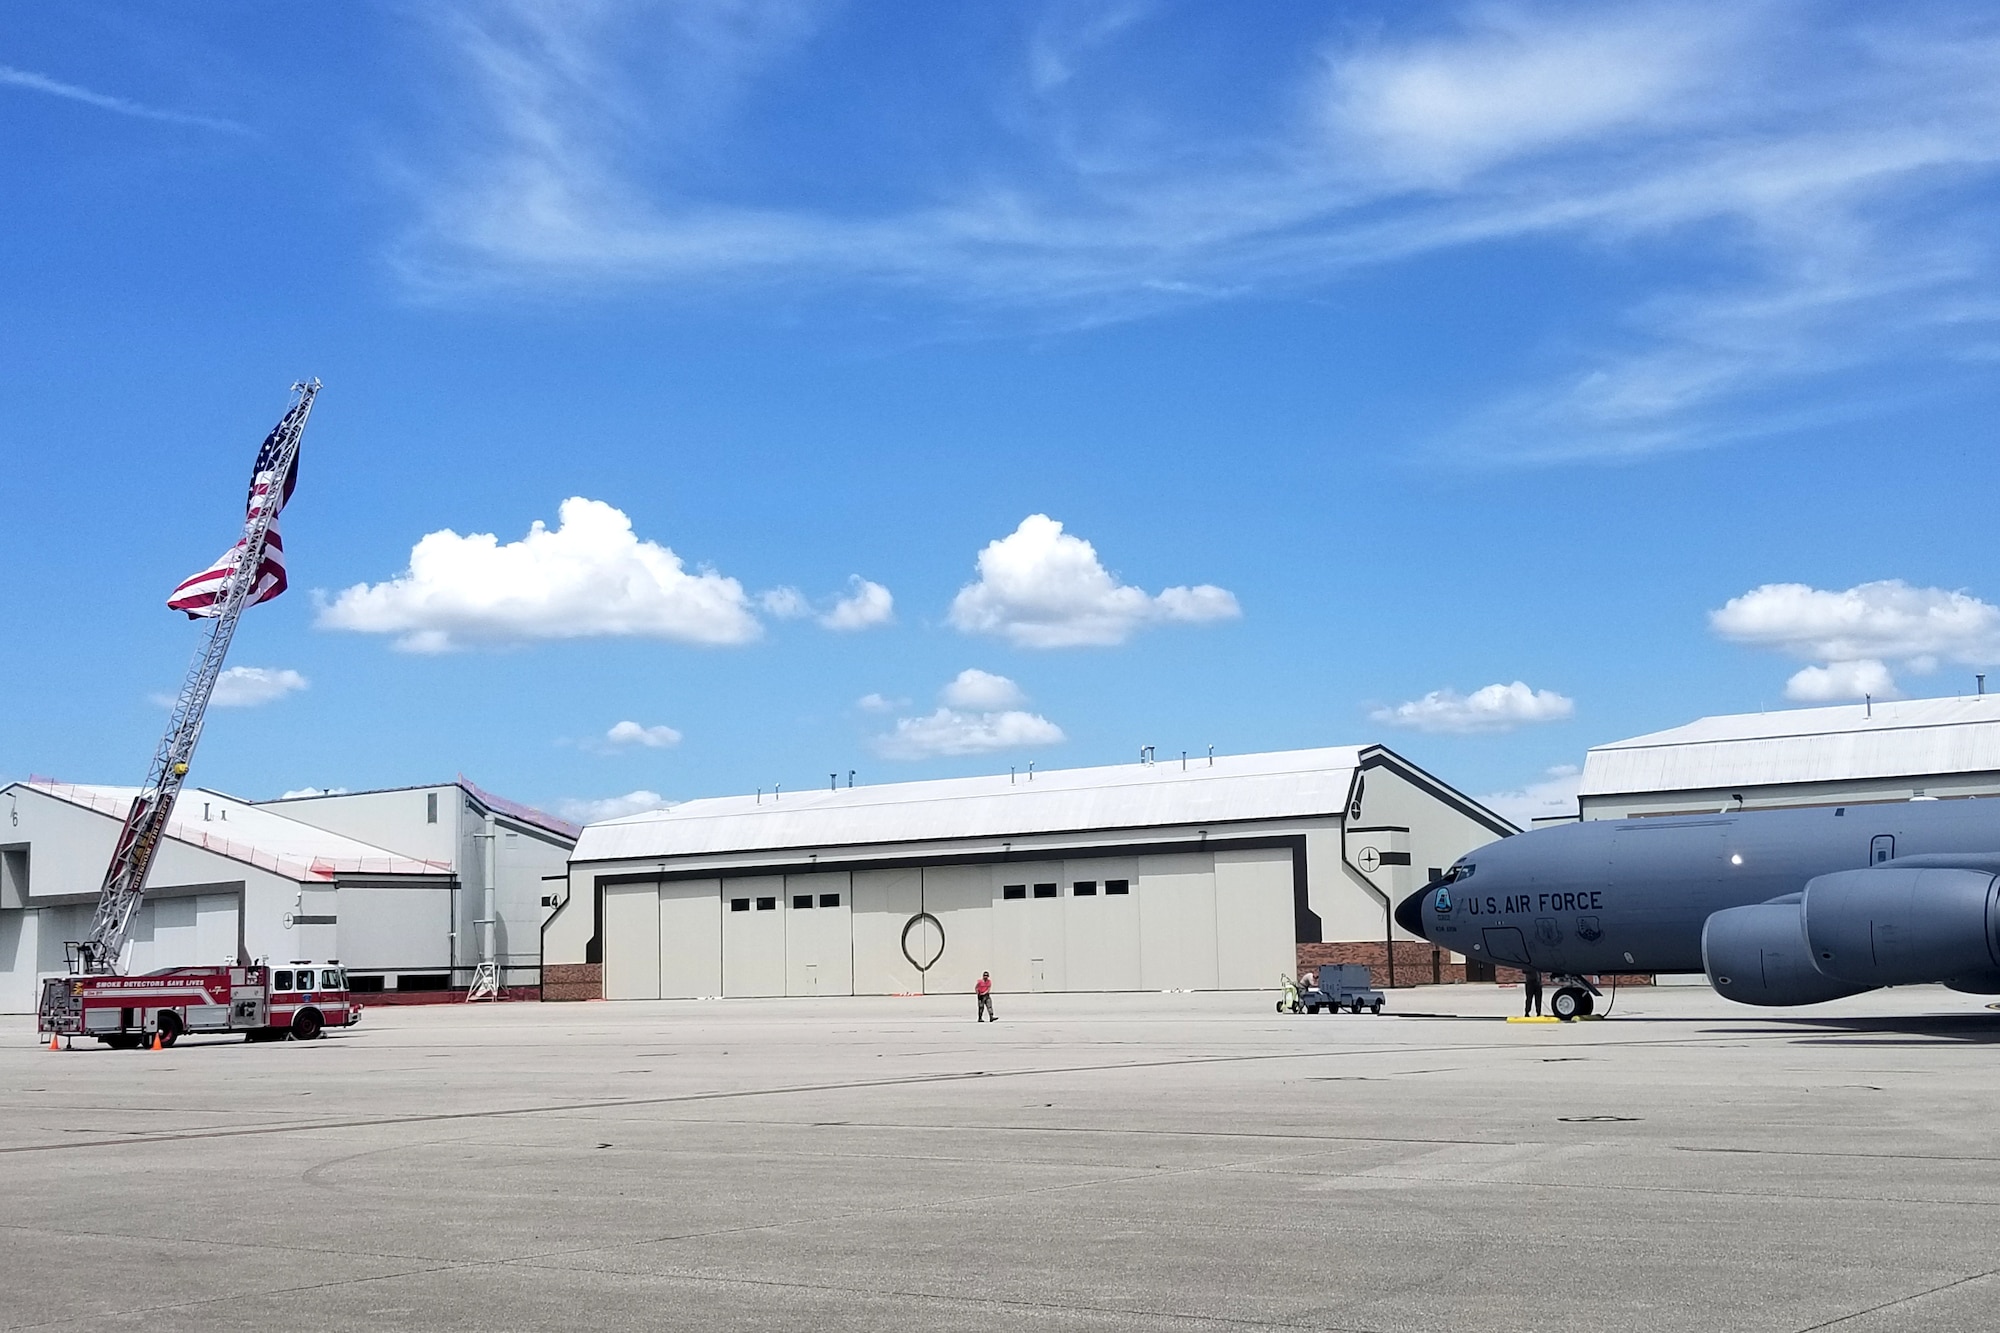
[
  {"x": 1809, "y": 163},
  {"x": 29, "y": 81}
]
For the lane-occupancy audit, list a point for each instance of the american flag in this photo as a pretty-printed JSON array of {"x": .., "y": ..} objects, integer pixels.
[{"x": 201, "y": 595}]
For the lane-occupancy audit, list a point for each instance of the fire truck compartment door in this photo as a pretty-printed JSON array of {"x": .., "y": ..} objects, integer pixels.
[
  {"x": 100, "y": 1020},
  {"x": 208, "y": 1016}
]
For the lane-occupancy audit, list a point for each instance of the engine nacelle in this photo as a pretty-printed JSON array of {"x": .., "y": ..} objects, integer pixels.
[
  {"x": 1898, "y": 926},
  {"x": 1759, "y": 955}
]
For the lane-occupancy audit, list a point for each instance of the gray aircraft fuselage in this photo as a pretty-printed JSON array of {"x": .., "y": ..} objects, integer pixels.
[{"x": 1632, "y": 895}]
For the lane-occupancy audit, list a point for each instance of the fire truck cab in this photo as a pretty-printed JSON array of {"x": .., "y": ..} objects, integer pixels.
[{"x": 263, "y": 1003}]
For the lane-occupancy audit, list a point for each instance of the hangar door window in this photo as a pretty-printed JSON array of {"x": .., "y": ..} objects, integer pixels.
[
  {"x": 767, "y": 904},
  {"x": 829, "y": 900},
  {"x": 800, "y": 901},
  {"x": 1084, "y": 888},
  {"x": 1013, "y": 891},
  {"x": 739, "y": 904},
  {"x": 1116, "y": 886},
  {"x": 1045, "y": 890}
]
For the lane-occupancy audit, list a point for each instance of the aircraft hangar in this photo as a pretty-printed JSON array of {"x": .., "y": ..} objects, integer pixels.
[
  {"x": 1850, "y": 754},
  {"x": 392, "y": 884},
  {"x": 1190, "y": 873}
]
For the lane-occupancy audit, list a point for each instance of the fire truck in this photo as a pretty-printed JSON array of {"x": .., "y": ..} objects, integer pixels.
[{"x": 263, "y": 1003}]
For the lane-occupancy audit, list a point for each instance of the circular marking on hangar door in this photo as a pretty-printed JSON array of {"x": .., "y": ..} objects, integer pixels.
[
  {"x": 923, "y": 941},
  {"x": 1368, "y": 859}
]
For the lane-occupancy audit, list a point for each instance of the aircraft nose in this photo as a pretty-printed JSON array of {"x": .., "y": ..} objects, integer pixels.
[{"x": 1410, "y": 916}]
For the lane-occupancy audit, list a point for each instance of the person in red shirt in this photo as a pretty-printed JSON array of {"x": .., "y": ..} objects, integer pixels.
[{"x": 984, "y": 990}]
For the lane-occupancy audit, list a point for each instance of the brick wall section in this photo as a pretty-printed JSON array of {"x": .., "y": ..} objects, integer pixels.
[
  {"x": 1417, "y": 963},
  {"x": 573, "y": 981},
  {"x": 1421, "y": 964}
]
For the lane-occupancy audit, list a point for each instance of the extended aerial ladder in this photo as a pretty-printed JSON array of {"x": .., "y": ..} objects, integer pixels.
[{"x": 124, "y": 885}]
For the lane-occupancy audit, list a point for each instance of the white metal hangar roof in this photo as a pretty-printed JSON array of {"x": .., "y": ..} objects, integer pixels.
[
  {"x": 1290, "y": 783},
  {"x": 245, "y": 832},
  {"x": 1850, "y": 741}
]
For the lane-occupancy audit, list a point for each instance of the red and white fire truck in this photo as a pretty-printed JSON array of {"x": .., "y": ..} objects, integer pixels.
[{"x": 263, "y": 1003}]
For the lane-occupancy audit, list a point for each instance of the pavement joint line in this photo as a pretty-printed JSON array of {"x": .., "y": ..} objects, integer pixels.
[
  {"x": 1900, "y": 1300},
  {"x": 671, "y": 1099},
  {"x": 1066, "y": 1307},
  {"x": 1788, "y": 1197},
  {"x": 43, "y": 1229},
  {"x": 96, "y": 1318}
]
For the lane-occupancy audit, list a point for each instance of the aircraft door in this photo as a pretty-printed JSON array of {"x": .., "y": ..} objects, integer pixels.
[
  {"x": 1506, "y": 945},
  {"x": 1882, "y": 847}
]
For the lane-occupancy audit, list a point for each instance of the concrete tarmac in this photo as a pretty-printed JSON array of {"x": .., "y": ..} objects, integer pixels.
[{"x": 1123, "y": 1162}]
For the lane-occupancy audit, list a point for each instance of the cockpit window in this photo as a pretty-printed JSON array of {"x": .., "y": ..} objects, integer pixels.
[{"x": 1457, "y": 873}]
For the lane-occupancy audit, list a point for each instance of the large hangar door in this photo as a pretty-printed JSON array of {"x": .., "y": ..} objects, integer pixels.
[
  {"x": 632, "y": 941},
  {"x": 391, "y": 928},
  {"x": 819, "y": 939},
  {"x": 1102, "y": 926},
  {"x": 690, "y": 939},
  {"x": 961, "y": 898},
  {"x": 1177, "y": 922},
  {"x": 17, "y": 961},
  {"x": 1254, "y": 929},
  {"x": 884, "y": 902},
  {"x": 753, "y": 935}
]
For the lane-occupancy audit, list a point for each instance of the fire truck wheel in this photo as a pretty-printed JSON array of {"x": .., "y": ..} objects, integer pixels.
[
  {"x": 306, "y": 1025},
  {"x": 169, "y": 1029}
]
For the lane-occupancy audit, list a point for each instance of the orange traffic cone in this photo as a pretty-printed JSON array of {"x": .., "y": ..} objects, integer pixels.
[
  {"x": 52, "y": 1042},
  {"x": 156, "y": 1041}
]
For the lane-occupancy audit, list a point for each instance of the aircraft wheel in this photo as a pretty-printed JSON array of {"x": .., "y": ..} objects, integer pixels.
[
  {"x": 1587, "y": 1004},
  {"x": 1566, "y": 1003}
]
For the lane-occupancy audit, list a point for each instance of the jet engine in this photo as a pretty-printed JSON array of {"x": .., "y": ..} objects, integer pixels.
[
  {"x": 1759, "y": 955},
  {"x": 1895, "y": 927}
]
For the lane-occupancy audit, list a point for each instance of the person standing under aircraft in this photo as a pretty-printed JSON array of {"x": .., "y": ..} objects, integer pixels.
[
  {"x": 984, "y": 990},
  {"x": 1531, "y": 998}
]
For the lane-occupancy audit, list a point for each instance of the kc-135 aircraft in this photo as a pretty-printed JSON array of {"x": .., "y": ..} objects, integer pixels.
[{"x": 1778, "y": 907}]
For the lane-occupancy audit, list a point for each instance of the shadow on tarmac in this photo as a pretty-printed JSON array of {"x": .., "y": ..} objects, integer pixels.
[{"x": 1902, "y": 1030}]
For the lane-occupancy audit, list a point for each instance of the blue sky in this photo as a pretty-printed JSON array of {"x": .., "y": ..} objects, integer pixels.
[{"x": 919, "y": 390}]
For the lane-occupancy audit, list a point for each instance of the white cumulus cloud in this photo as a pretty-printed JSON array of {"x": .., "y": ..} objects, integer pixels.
[
  {"x": 784, "y": 603},
  {"x": 949, "y": 731},
  {"x": 1040, "y": 587},
  {"x": 248, "y": 687},
  {"x": 973, "y": 688},
  {"x": 981, "y": 713},
  {"x": 590, "y": 576},
  {"x": 1853, "y": 634},
  {"x": 1489, "y": 708},
  {"x": 298, "y": 792},
  {"x": 865, "y": 606},
  {"x": 632, "y": 733},
  {"x": 612, "y": 807},
  {"x": 875, "y": 702},
  {"x": 1554, "y": 795}
]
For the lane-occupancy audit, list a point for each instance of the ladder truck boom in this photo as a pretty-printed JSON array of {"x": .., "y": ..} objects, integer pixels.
[{"x": 124, "y": 886}]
